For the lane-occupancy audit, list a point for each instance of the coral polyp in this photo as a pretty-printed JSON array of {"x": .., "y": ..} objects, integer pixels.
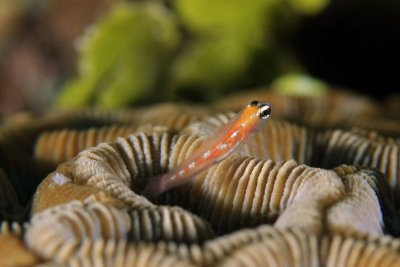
[{"x": 309, "y": 188}]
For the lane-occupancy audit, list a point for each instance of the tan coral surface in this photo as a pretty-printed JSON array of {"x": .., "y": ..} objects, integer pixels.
[{"x": 308, "y": 189}]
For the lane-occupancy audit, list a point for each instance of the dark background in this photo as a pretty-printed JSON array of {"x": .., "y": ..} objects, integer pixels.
[
  {"x": 355, "y": 44},
  {"x": 352, "y": 43}
]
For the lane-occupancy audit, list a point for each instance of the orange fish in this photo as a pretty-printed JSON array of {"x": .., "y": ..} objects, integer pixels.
[{"x": 213, "y": 150}]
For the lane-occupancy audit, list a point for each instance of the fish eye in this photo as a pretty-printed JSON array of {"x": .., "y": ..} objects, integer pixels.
[
  {"x": 265, "y": 112},
  {"x": 254, "y": 103}
]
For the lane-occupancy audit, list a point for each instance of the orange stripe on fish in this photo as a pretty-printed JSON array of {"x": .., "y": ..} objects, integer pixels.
[{"x": 213, "y": 150}]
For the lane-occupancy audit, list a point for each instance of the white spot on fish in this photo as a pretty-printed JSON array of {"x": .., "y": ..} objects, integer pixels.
[
  {"x": 222, "y": 146},
  {"x": 181, "y": 173},
  {"x": 234, "y": 134},
  {"x": 173, "y": 177},
  {"x": 192, "y": 165},
  {"x": 207, "y": 154}
]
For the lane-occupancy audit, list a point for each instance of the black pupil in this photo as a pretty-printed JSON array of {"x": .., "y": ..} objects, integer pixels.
[{"x": 265, "y": 112}]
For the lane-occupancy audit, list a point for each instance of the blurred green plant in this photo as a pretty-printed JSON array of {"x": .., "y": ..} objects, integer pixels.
[
  {"x": 122, "y": 58},
  {"x": 149, "y": 51},
  {"x": 297, "y": 84}
]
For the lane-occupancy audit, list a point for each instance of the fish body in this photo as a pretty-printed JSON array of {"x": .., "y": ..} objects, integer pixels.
[{"x": 213, "y": 149}]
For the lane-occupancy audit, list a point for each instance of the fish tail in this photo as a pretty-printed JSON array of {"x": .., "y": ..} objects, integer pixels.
[{"x": 154, "y": 187}]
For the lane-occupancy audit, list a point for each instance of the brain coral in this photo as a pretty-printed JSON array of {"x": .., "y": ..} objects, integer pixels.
[{"x": 317, "y": 185}]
